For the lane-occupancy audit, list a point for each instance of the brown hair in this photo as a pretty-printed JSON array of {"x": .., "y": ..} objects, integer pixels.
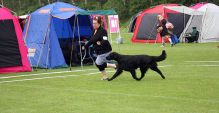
[{"x": 98, "y": 19}]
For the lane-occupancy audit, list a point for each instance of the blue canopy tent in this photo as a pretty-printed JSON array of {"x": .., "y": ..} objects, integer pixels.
[{"x": 50, "y": 24}]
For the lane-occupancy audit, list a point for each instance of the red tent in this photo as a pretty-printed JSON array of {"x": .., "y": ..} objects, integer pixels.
[
  {"x": 13, "y": 52},
  {"x": 146, "y": 23}
]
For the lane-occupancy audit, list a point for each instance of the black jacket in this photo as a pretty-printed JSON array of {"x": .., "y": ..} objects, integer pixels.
[
  {"x": 163, "y": 23},
  {"x": 104, "y": 47}
]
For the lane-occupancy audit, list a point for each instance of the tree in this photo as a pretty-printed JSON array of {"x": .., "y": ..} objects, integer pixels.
[
  {"x": 139, "y": 5},
  {"x": 39, "y": 2},
  {"x": 119, "y": 7},
  {"x": 125, "y": 8}
]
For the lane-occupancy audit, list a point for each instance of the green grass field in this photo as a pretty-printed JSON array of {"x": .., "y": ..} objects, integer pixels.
[{"x": 191, "y": 85}]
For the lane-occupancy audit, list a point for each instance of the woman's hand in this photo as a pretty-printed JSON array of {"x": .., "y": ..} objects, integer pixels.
[
  {"x": 159, "y": 29},
  {"x": 98, "y": 43}
]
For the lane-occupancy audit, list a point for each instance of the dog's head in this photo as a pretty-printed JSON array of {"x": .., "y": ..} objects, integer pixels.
[{"x": 113, "y": 56}]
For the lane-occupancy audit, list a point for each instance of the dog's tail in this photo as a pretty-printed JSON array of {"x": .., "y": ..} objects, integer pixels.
[{"x": 162, "y": 57}]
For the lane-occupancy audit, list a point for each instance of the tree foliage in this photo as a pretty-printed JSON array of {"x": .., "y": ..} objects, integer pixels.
[{"x": 125, "y": 8}]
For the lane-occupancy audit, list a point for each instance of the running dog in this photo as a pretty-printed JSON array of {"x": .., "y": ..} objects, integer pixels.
[{"x": 131, "y": 62}]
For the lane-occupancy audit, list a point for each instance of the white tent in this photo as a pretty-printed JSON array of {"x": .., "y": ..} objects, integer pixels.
[
  {"x": 210, "y": 25},
  {"x": 205, "y": 20},
  {"x": 194, "y": 14}
]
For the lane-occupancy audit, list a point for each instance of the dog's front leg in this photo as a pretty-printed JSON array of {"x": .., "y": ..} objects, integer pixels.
[{"x": 118, "y": 72}]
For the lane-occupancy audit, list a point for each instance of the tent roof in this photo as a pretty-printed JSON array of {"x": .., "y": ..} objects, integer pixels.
[
  {"x": 63, "y": 10},
  {"x": 184, "y": 9},
  {"x": 5, "y": 13},
  {"x": 208, "y": 6},
  {"x": 98, "y": 12},
  {"x": 59, "y": 10},
  {"x": 158, "y": 8},
  {"x": 198, "y": 5}
]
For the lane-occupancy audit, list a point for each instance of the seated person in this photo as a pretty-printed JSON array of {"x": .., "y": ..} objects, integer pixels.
[{"x": 193, "y": 36}]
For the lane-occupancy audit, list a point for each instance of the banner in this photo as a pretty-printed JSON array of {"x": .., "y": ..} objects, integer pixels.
[{"x": 114, "y": 23}]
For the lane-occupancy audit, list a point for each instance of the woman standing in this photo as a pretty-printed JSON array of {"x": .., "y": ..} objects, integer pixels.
[
  {"x": 162, "y": 29},
  {"x": 101, "y": 46}
]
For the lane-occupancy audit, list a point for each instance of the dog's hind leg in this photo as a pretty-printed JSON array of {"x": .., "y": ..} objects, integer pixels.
[
  {"x": 118, "y": 72},
  {"x": 143, "y": 71},
  {"x": 158, "y": 71},
  {"x": 134, "y": 75}
]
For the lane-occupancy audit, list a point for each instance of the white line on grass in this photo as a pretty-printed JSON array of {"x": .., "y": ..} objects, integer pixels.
[
  {"x": 166, "y": 66},
  {"x": 40, "y": 78},
  {"x": 141, "y": 95},
  {"x": 203, "y": 61},
  {"x": 45, "y": 73},
  {"x": 124, "y": 94},
  {"x": 49, "y": 73},
  {"x": 204, "y": 65}
]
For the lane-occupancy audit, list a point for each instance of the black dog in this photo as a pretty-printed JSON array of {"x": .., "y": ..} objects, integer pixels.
[{"x": 132, "y": 62}]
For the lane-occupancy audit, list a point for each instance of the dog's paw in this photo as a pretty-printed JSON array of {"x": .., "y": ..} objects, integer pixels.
[{"x": 138, "y": 79}]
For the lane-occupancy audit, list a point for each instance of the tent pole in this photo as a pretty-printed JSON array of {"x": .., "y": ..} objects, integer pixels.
[
  {"x": 48, "y": 52},
  {"x": 91, "y": 56},
  {"x": 152, "y": 31},
  {"x": 49, "y": 25},
  {"x": 80, "y": 44},
  {"x": 118, "y": 35},
  {"x": 44, "y": 42},
  {"x": 183, "y": 19},
  {"x": 110, "y": 36},
  {"x": 72, "y": 46},
  {"x": 25, "y": 41},
  {"x": 182, "y": 36},
  {"x": 27, "y": 29},
  {"x": 30, "y": 62},
  {"x": 47, "y": 57}
]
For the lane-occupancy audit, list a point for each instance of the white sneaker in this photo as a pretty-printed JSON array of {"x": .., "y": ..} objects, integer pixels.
[
  {"x": 104, "y": 78},
  {"x": 172, "y": 45},
  {"x": 162, "y": 46}
]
